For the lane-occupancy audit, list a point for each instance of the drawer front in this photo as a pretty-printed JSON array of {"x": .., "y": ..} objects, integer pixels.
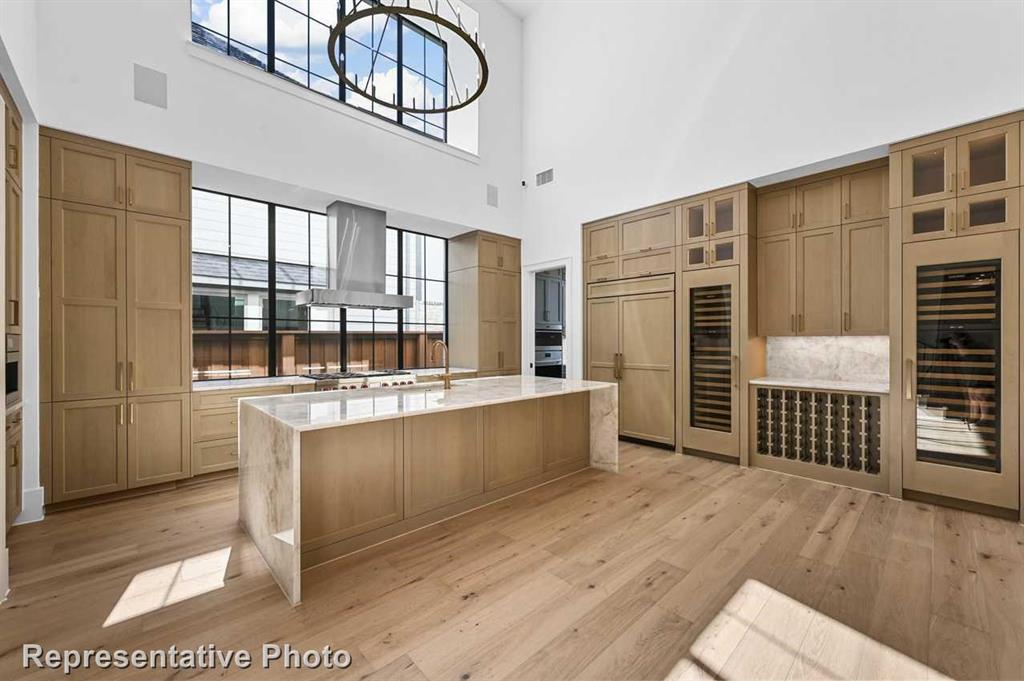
[
  {"x": 215, "y": 424},
  {"x": 216, "y": 455},
  {"x": 648, "y": 231},
  {"x": 603, "y": 270},
  {"x": 630, "y": 287},
  {"x": 219, "y": 399},
  {"x": 644, "y": 264}
]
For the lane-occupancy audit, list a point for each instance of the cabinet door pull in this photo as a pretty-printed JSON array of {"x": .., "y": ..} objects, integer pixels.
[
  {"x": 800, "y": 322},
  {"x": 17, "y": 311},
  {"x": 908, "y": 378},
  {"x": 131, "y": 413},
  {"x": 792, "y": 220},
  {"x": 131, "y": 375},
  {"x": 602, "y": 256},
  {"x": 846, "y": 321},
  {"x": 801, "y": 222},
  {"x": 846, "y": 210},
  {"x": 963, "y": 179},
  {"x": 13, "y": 156},
  {"x": 792, "y": 323},
  {"x": 120, "y": 411},
  {"x": 120, "y": 194},
  {"x": 120, "y": 376},
  {"x": 952, "y": 182},
  {"x": 130, "y": 199},
  {"x": 735, "y": 371},
  {"x": 17, "y": 455}
]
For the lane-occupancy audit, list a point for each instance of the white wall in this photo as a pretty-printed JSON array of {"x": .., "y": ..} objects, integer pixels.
[
  {"x": 225, "y": 114},
  {"x": 634, "y": 103},
  {"x": 69, "y": 63}
]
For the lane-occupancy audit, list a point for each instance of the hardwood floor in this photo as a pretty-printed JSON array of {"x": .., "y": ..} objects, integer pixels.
[{"x": 677, "y": 568}]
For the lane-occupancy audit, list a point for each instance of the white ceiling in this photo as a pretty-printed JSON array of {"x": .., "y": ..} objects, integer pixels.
[{"x": 522, "y": 8}]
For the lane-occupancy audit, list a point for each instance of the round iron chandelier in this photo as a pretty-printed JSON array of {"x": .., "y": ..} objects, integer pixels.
[{"x": 456, "y": 99}]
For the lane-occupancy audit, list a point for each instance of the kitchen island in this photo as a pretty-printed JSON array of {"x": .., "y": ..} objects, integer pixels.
[{"x": 322, "y": 475}]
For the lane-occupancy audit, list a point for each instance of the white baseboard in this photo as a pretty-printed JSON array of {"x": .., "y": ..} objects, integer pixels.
[{"x": 31, "y": 506}]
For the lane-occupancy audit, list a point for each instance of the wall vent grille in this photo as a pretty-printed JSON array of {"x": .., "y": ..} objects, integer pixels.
[
  {"x": 546, "y": 177},
  {"x": 492, "y": 196}
]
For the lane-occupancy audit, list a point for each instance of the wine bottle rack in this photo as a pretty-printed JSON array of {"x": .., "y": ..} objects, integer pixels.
[{"x": 833, "y": 430}]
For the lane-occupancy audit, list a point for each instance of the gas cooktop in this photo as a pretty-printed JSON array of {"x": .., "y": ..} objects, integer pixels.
[{"x": 341, "y": 375}]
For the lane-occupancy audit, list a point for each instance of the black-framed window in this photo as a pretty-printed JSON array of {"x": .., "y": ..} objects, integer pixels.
[
  {"x": 289, "y": 38},
  {"x": 249, "y": 260}
]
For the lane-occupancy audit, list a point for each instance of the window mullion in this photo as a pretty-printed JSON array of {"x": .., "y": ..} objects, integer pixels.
[
  {"x": 271, "y": 38},
  {"x": 272, "y": 289}
]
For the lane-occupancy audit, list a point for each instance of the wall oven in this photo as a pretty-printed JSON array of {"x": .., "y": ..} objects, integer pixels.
[{"x": 13, "y": 380}]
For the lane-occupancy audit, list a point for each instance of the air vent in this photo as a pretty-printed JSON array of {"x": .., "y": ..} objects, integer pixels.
[
  {"x": 492, "y": 196},
  {"x": 546, "y": 177},
  {"x": 150, "y": 86}
]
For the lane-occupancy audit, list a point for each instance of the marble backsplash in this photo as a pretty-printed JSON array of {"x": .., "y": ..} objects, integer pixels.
[{"x": 830, "y": 358}]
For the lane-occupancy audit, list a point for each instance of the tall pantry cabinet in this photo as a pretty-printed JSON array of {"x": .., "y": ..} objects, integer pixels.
[
  {"x": 485, "y": 318},
  {"x": 667, "y": 317},
  {"x": 956, "y": 323},
  {"x": 12, "y": 211},
  {"x": 115, "y": 263}
]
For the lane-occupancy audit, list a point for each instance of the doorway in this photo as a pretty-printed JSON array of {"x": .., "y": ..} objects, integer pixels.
[{"x": 549, "y": 321}]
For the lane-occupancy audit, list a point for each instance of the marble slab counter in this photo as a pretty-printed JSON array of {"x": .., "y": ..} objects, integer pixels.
[
  {"x": 868, "y": 387},
  {"x": 313, "y": 411},
  {"x": 244, "y": 383}
]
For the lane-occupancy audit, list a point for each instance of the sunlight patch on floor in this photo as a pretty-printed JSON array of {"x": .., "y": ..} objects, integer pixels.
[
  {"x": 762, "y": 633},
  {"x": 171, "y": 583}
]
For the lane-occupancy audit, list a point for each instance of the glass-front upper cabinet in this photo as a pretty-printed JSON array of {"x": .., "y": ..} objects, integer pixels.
[
  {"x": 724, "y": 214},
  {"x": 989, "y": 159},
  {"x": 929, "y": 172},
  {"x": 696, "y": 225}
]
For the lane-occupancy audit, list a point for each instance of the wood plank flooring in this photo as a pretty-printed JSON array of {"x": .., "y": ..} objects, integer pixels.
[{"x": 677, "y": 568}]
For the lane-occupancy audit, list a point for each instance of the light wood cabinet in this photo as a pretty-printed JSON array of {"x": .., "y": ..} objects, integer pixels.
[
  {"x": 158, "y": 188},
  {"x": 89, "y": 303},
  {"x": 648, "y": 231},
  {"x": 512, "y": 443},
  {"x": 565, "y": 429},
  {"x": 159, "y": 442},
  {"x": 159, "y": 304},
  {"x": 351, "y": 481},
  {"x": 996, "y": 211},
  {"x": 601, "y": 241},
  {"x": 214, "y": 425},
  {"x": 819, "y": 204},
  {"x": 484, "y": 311},
  {"x": 647, "y": 367},
  {"x": 929, "y": 172},
  {"x": 926, "y": 221},
  {"x": 776, "y": 285},
  {"x": 988, "y": 160},
  {"x": 866, "y": 195},
  {"x": 865, "y": 272},
  {"x": 696, "y": 224},
  {"x": 45, "y": 301},
  {"x": 646, "y": 263},
  {"x": 89, "y": 448},
  {"x": 44, "y": 166},
  {"x": 444, "y": 459},
  {"x": 484, "y": 249},
  {"x": 12, "y": 230},
  {"x": 819, "y": 282},
  {"x": 603, "y": 325},
  {"x": 13, "y": 473},
  {"x": 601, "y": 270},
  {"x": 776, "y": 212},
  {"x": 13, "y": 156},
  {"x": 727, "y": 213},
  {"x": 87, "y": 174}
]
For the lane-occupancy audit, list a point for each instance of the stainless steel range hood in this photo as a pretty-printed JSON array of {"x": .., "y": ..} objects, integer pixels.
[{"x": 357, "y": 242}]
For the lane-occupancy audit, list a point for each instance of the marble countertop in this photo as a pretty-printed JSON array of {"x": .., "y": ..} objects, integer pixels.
[
  {"x": 437, "y": 371},
  {"x": 243, "y": 383},
  {"x": 876, "y": 388},
  {"x": 313, "y": 411}
]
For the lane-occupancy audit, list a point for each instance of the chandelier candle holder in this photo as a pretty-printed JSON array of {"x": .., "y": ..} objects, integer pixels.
[{"x": 430, "y": 16}]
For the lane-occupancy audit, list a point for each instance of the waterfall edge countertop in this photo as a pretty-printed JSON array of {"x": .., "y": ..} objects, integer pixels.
[
  {"x": 313, "y": 411},
  {"x": 874, "y": 388}
]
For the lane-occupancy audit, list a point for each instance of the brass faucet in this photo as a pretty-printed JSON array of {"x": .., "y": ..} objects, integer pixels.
[{"x": 447, "y": 375}]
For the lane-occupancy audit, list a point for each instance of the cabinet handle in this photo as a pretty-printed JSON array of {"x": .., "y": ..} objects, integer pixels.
[
  {"x": 966, "y": 222},
  {"x": 952, "y": 182},
  {"x": 120, "y": 376},
  {"x": 131, "y": 413},
  {"x": 602, "y": 256},
  {"x": 17, "y": 455},
  {"x": 792, "y": 220},
  {"x": 735, "y": 371},
  {"x": 801, "y": 221},
  {"x": 13, "y": 162},
  {"x": 17, "y": 311},
  {"x": 951, "y": 220},
  {"x": 908, "y": 378},
  {"x": 846, "y": 210},
  {"x": 501, "y": 359},
  {"x": 711, "y": 254},
  {"x": 120, "y": 194},
  {"x": 130, "y": 198},
  {"x": 131, "y": 375},
  {"x": 792, "y": 323},
  {"x": 120, "y": 412},
  {"x": 800, "y": 322},
  {"x": 501, "y": 260},
  {"x": 963, "y": 179},
  {"x": 846, "y": 321}
]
